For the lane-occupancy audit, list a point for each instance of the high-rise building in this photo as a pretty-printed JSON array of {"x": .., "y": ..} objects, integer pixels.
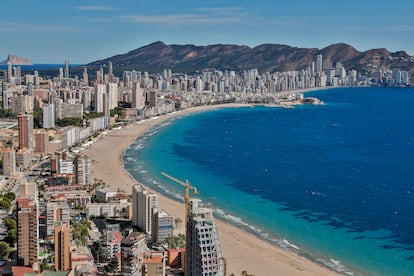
[
  {"x": 204, "y": 255},
  {"x": 9, "y": 71},
  {"x": 85, "y": 76},
  {"x": 144, "y": 204},
  {"x": 21, "y": 104},
  {"x": 9, "y": 162},
  {"x": 151, "y": 99},
  {"x": 5, "y": 96},
  {"x": 27, "y": 232},
  {"x": 112, "y": 92},
  {"x": 60, "y": 74},
  {"x": 133, "y": 249},
  {"x": 110, "y": 72},
  {"x": 100, "y": 90},
  {"x": 137, "y": 96},
  {"x": 49, "y": 116},
  {"x": 66, "y": 69},
  {"x": 63, "y": 238},
  {"x": 83, "y": 169},
  {"x": 56, "y": 212},
  {"x": 396, "y": 76},
  {"x": 25, "y": 127},
  {"x": 319, "y": 64},
  {"x": 162, "y": 226}
]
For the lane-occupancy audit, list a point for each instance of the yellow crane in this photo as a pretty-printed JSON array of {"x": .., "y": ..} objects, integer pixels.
[{"x": 188, "y": 187}]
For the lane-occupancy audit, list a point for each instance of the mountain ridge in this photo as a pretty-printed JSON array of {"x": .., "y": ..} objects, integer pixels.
[
  {"x": 266, "y": 57},
  {"x": 16, "y": 60}
]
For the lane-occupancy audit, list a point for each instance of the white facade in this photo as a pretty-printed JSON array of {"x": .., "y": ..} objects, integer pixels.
[
  {"x": 144, "y": 203},
  {"x": 49, "y": 116},
  {"x": 66, "y": 167}
]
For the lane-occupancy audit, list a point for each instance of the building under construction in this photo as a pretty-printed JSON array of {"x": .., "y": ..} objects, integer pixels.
[{"x": 204, "y": 251}]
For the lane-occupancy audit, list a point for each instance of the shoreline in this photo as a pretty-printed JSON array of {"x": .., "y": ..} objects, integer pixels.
[{"x": 243, "y": 251}]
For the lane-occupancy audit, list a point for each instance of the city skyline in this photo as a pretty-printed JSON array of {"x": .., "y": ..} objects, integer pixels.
[{"x": 85, "y": 31}]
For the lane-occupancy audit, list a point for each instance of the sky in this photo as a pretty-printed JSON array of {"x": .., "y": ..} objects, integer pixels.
[{"x": 82, "y": 31}]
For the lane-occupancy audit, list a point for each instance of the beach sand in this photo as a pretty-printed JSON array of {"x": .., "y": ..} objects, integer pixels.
[{"x": 243, "y": 251}]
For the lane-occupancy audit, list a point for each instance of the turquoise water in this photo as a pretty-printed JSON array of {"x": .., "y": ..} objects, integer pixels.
[{"x": 333, "y": 183}]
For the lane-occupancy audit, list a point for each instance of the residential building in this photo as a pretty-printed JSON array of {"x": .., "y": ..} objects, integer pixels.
[
  {"x": 162, "y": 225},
  {"x": 27, "y": 232},
  {"x": 204, "y": 255},
  {"x": 56, "y": 212},
  {"x": 108, "y": 210},
  {"x": 25, "y": 129},
  {"x": 49, "y": 116},
  {"x": 103, "y": 194},
  {"x": 41, "y": 142},
  {"x": 63, "y": 238},
  {"x": 144, "y": 203},
  {"x": 9, "y": 162},
  {"x": 133, "y": 250},
  {"x": 83, "y": 169},
  {"x": 113, "y": 242}
]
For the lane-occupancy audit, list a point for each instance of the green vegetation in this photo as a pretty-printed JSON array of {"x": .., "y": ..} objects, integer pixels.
[
  {"x": 5, "y": 250},
  {"x": 70, "y": 121},
  {"x": 80, "y": 231},
  {"x": 48, "y": 263},
  {"x": 102, "y": 250},
  {"x": 173, "y": 242},
  {"x": 6, "y": 113},
  {"x": 37, "y": 117},
  {"x": 6, "y": 200},
  {"x": 91, "y": 115},
  {"x": 119, "y": 110},
  {"x": 11, "y": 226}
]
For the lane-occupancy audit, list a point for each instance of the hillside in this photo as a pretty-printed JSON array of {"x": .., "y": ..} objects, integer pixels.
[
  {"x": 17, "y": 60},
  {"x": 266, "y": 57}
]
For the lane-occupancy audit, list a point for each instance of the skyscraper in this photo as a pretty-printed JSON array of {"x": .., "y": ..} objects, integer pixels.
[
  {"x": 41, "y": 142},
  {"x": 56, "y": 212},
  {"x": 204, "y": 255},
  {"x": 27, "y": 232},
  {"x": 133, "y": 248},
  {"x": 85, "y": 76},
  {"x": 319, "y": 67},
  {"x": 162, "y": 225},
  {"x": 25, "y": 127},
  {"x": 83, "y": 169},
  {"x": 5, "y": 96},
  {"x": 9, "y": 162},
  {"x": 144, "y": 204},
  {"x": 63, "y": 237},
  {"x": 49, "y": 116},
  {"x": 66, "y": 69},
  {"x": 9, "y": 71}
]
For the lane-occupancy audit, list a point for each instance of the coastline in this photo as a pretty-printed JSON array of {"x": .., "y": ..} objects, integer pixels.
[{"x": 242, "y": 250}]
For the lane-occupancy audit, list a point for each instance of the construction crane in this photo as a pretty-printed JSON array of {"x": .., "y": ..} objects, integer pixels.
[{"x": 188, "y": 187}]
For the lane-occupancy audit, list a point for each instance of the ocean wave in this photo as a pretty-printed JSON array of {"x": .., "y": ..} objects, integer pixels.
[
  {"x": 335, "y": 265},
  {"x": 291, "y": 244}
]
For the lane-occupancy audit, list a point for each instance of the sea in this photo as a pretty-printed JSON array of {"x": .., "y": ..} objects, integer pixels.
[{"x": 333, "y": 183}]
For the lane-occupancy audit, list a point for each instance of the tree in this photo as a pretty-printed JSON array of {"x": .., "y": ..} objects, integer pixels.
[
  {"x": 10, "y": 196},
  {"x": 5, "y": 204},
  {"x": 5, "y": 250},
  {"x": 37, "y": 117},
  {"x": 10, "y": 223}
]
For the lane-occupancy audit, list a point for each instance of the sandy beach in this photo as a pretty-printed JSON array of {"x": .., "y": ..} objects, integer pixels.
[{"x": 243, "y": 251}]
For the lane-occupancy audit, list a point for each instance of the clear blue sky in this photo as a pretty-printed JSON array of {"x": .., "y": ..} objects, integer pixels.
[{"x": 50, "y": 31}]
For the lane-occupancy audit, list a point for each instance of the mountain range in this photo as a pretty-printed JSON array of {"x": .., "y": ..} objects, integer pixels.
[
  {"x": 16, "y": 60},
  {"x": 266, "y": 58}
]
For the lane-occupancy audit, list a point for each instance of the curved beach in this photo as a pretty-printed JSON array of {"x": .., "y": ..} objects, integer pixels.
[{"x": 243, "y": 251}]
